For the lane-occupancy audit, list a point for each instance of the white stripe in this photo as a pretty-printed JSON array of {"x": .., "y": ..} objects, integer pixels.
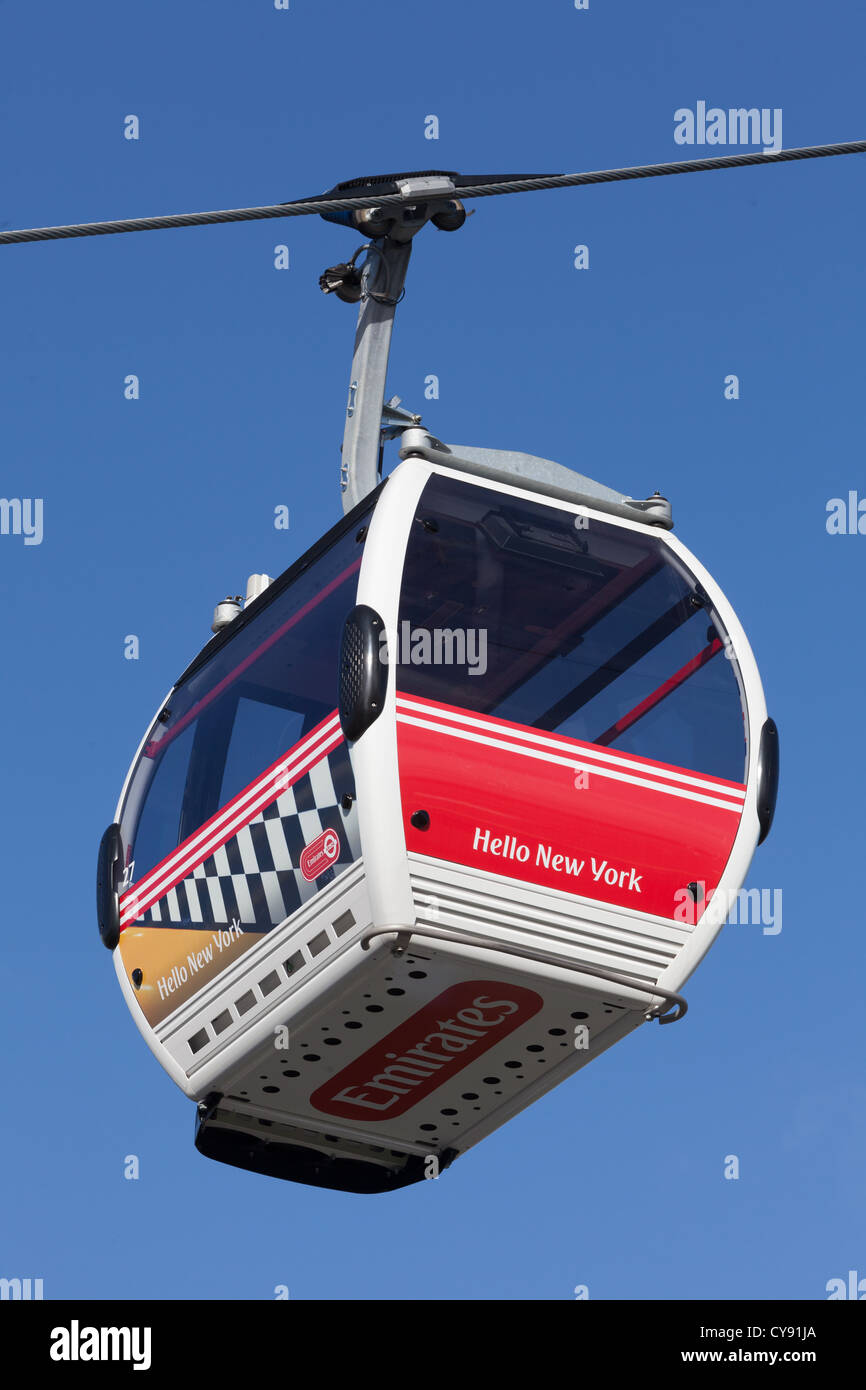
[
  {"x": 245, "y": 902},
  {"x": 221, "y": 862},
  {"x": 286, "y": 804},
  {"x": 277, "y": 843},
  {"x": 291, "y": 765},
  {"x": 201, "y": 846},
  {"x": 616, "y": 759},
  {"x": 256, "y": 797},
  {"x": 322, "y": 785},
  {"x": 195, "y": 912},
  {"x": 576, "y": 764},
  {"x": 353, "y": 834},
  {"x": 218, "y": 907},
  {"x": 306, "y": 888},
  {"x": 271, "y": 885},
  {"x": 247, "y": 852},
  {"x": 310, "y": 826}
]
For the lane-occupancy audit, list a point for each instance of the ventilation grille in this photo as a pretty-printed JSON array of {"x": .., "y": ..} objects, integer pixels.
[
  {"x": 351, "y": 668},
  {"x": 284, "y": 974},
  {"x": 363, "y": 673},
  {"x": 644, "y": 951}
]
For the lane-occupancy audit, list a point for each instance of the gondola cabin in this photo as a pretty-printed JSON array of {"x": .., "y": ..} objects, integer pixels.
[{"x": 452, "y": 806}]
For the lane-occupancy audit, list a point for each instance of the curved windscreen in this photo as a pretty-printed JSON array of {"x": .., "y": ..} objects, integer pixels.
[
  {"x": 234, "y": 715},
  {"x": 525, "y": 612}
]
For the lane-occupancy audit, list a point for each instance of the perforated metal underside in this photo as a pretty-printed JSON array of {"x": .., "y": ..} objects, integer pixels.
[{"x": 271, "y": 1098}]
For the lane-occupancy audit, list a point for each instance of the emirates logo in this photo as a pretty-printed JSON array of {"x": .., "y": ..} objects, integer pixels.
[
  {"x": 428, "y": 1050},
  {"x": 320, "y": 855}
]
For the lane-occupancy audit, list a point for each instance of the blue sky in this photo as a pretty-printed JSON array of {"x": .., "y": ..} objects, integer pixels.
[{"x": 154, "y": 508}]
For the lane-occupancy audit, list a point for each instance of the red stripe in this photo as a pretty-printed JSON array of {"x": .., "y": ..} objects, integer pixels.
[
  {"x": 531, "y": 737},
  {"x": 309, "y": 743},
  {"x": 666, "y": 688}
]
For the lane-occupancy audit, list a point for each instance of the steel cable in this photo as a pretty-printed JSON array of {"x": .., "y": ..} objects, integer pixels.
[{"x": 324, "y": 202}]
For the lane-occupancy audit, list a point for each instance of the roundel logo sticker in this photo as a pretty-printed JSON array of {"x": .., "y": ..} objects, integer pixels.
[{"x": 320, "y": 855}]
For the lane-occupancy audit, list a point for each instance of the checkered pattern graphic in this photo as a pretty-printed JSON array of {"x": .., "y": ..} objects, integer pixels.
[{"x": 255, "y": 878}]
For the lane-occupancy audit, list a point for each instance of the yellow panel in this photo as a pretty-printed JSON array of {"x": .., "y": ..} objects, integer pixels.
[{"x": 175, "y": 963}]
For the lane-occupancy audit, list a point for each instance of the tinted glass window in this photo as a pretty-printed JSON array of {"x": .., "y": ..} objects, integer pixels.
[
  {"x": 157, "y": 831},
  {"x": 566, "y": 624},
  {"x": 242, "y": 710},
  {"x": 257, "y": 730}
]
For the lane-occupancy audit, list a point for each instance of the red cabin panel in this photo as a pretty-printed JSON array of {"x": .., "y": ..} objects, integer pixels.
[{"x": 559, "y": 813}]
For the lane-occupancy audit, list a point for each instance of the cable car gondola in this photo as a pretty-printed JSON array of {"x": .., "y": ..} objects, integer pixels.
[
  {"x": 364, "y": 932},
  {"x": 452, "y": 805}
]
